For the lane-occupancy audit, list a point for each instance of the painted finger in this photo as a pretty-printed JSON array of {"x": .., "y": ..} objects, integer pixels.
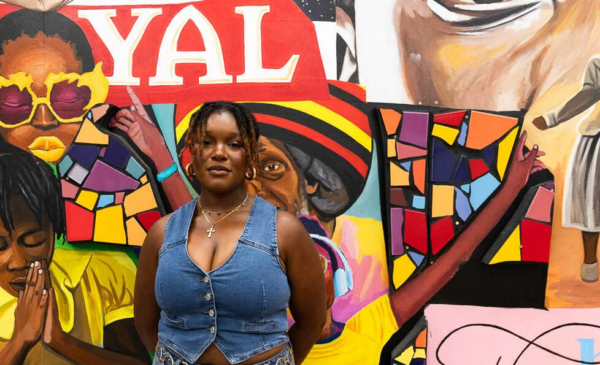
[
  {"x": 121, "y": 127},
  {"x": 124, "y": 113},
  {"x": 39, "y": 285},
  {"x": 520, "y": 146},
  {"x": 137, "y": 103},
  {"x": 20, "y": 296},
  {"x": 44, "y": 299},
  {"x": 34, "y": 278}
]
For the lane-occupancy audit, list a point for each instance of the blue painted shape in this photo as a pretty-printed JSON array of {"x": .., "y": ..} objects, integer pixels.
[
  {"x": 105, "y": 200},
  {"x": 482, "y": 189},
  {"x": 462, "y": 138},
  {"x": 65, "y": 165},
  {"x": 90, "y": 116},
  {"x": 134, "y": 169},
  {"x": 466, "y": 188},
  {"x": 417, "y": 258},
  {"x": 85, "y": 155},
  {"x": 165, "y": 116},
  {"x": 462, "y": 205},
  {"x": 418, "y": 202},
  {"x": 406, "y": 165},
  {"x": 462, "y": 173},
  {"x": 443, "y": 162},
  {"x": 489, "y": 155},
  {"x": 116, "y": 154},
  {"x": 587, "y": 350}
]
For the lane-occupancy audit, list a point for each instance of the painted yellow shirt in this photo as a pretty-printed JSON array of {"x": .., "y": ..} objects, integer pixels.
[
  {"x": 362, "y": 340},
  {"x": 93, "y": 290}
]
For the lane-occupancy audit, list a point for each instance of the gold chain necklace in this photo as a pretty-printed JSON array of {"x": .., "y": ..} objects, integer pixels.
[{"x": 212, "y": 230}]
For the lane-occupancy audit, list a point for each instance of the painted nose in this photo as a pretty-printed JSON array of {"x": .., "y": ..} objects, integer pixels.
[{"x": 44, "y": 119}]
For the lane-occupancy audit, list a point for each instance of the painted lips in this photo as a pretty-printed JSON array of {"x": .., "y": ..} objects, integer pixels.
[{"x": 49, "y": 149}]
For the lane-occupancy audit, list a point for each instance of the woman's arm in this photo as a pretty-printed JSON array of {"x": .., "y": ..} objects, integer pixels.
[
  {"x": 308, "y": 303},
  {"x": 411, "y": 297}
]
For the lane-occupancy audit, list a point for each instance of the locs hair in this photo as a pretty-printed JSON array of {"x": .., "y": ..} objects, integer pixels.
[
  {"x": 245, "y": 122},
  {"x": 22, "y": 174}
]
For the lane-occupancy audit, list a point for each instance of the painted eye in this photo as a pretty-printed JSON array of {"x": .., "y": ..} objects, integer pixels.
[
  {"x": 272, "y": 167},
  {"x": 482, "y": 14}
]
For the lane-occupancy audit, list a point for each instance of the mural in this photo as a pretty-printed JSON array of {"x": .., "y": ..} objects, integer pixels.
[{"x": 417, "y": 141}]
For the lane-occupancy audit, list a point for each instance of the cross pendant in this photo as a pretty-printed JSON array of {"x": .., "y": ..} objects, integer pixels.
[{"x": 210, "y": 232}]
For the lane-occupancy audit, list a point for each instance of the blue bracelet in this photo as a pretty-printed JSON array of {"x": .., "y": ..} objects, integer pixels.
[{"x": 166, "y": 173}]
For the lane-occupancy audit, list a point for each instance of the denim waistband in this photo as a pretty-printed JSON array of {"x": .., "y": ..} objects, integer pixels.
[{"x": 164, "y": 356}]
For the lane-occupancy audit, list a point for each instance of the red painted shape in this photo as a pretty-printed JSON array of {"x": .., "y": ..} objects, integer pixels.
[
  {"x": 148, "y": 219},
  {"x": 478, "y": 168},
  {"x": 80, "y": 223},
  {"x": 415, "y": 230},
  {"x": 441, "y": 233},
  {"x": 535, "y": 239},
  {"x": 452, "y": 119}
]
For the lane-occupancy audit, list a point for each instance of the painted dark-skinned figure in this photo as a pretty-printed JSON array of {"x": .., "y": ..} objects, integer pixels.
[{"x": 57, "y": 306}]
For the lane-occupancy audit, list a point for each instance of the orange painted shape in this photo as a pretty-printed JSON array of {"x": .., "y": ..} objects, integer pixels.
[
  {"x": 422, "y": 339},
  {"x": 484, "y": 129},
  {"x": 419, "y": 174},
  {"x": 391, "y": 120}
]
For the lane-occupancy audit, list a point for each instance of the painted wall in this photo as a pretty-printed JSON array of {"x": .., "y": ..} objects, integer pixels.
[{"x": 391, "y": 129}]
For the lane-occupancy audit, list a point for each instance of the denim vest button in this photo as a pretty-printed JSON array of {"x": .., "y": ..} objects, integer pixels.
[
  {"x": 206, "y": 279},
  {"x": 211, "y": 313},
  {"x": 212, "y": 330},
  {"x": 208, "y": 296}
]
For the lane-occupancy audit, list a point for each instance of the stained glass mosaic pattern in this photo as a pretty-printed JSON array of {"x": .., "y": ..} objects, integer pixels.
[{"x": 416, "y": 353}]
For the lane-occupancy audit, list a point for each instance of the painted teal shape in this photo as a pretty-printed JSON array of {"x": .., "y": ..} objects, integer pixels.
[
  {"x": 65, "y": 165},
  {"x": 418, "y": 202},
  {"x": 466, "y": 188},
  {"x": 134, "y": 169},
  {"x": 368, "y": 204},
  {"x": 105, "y": 200},
  {"x": 482, "y": 189}
]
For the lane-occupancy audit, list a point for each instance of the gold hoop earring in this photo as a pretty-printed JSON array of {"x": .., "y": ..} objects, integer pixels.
[
  {"x": 253, "y": 176},
  {"x": 189, "y": 170}
]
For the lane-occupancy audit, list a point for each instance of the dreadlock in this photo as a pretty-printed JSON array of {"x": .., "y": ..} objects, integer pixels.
[{"x": 245, "y": 122}]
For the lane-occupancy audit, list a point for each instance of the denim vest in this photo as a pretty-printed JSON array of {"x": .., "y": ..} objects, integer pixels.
[{"x": 239, "y": 306}]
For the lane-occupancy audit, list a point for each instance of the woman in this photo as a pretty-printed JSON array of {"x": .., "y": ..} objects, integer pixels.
[
  {"x": 581, "y": 202},
  {"x": 57, "y": 306},
  {"x": 227, "y": 253}
]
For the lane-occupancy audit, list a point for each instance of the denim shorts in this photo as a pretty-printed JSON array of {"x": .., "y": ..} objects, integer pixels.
[{"x": 163, "y": 356}]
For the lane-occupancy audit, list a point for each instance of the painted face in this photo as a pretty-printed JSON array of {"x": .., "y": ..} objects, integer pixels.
[
  {"x": 36, "y": 59},
  {"x": 220, "y": 159},
  {"x": 278, "y": 180},
  {"x": 25, "y": 243}
]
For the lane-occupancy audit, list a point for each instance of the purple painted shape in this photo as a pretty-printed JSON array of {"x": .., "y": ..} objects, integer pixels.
[
  {"x": 397, "y": 217},
  {"x": 415, "y": 127},
  {"x": 102, "y": 151},
  {"x": 104, "y": 178}
]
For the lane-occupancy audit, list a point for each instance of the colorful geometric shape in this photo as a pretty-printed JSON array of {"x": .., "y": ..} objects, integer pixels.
[
  {"x": 448, "y": 134},
  {"x": 422, "y": 339},
  {"x": 510, "y": 250},
  {"x": 68, "y": 190},
  {"x": 80, "y": 223},
  {"x": 139, "y": 201},
  {"x": 417, "y": 258},
  {"x": 505, "y": 151},
  {"x": 489, "y": 154},
  {"x": 419, "y": 167},
  {"x": 406, "y": 165},
  {"x": 105, "y": 200},
  {"x": 398, "y": 198},
  {"x": 403, "y": 269},
  {"x": 117, "y": 154},
  {"x": 87, "y": 199},
  {"x": 478, "y": 168},
  {"x": 541, "y": 206},
  {"x": 535, "y": 238},
  {"x": 110, "y": 227},
  {"x": 144, "y": 179},
  {"x": 99, "y": 111},
  {"x": 415, "y": 230},
  {"x": 148, "y": 219},
  {"x": 89, "y": 134},
  {"x": 64, "y": 165},
  {"x": 391, "y": 120},
  {"x": 484, "y": 129},
  {"x": 406, "y": 356},
  {"x": 463, "y": 208},
  {"x": 391, "y": 147},
  {"x": 135, "y": 232},
  {"x": 119, "y": 197},
  {"x": 441, "y": 233},
  {"x": 466, "y": 188},
  {"x": 78, "y": 173},
  {"x": 134, "y": 169},
  {"x": 415, "y": 127},
  {"x": 102, "y": 151},
  {"x": 462, "y": 138},
  {"x": 482, "y": 189},
  {"x": 404, "y": 151},
  {"x": 104, "y": 178},
  {"x": 452, "y": 119},
  {"x": 442, "y": 202},
  {"x": 85, "y": 155},
  {"x": 396, "y": 221},
  {"x": 398, "y": 177},
  {"x": 462, "y": 174},
  {"x": 418, "y": 202},
  {"x": 443, "y": 162}
]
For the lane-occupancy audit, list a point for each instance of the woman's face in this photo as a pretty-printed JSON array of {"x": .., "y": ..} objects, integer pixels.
[
  {"x": 220, "y": 159},
  {"x": 278, "y": 180},
  {"x": 24, "y": 244},
  {"x": 38, "y": 57}
]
